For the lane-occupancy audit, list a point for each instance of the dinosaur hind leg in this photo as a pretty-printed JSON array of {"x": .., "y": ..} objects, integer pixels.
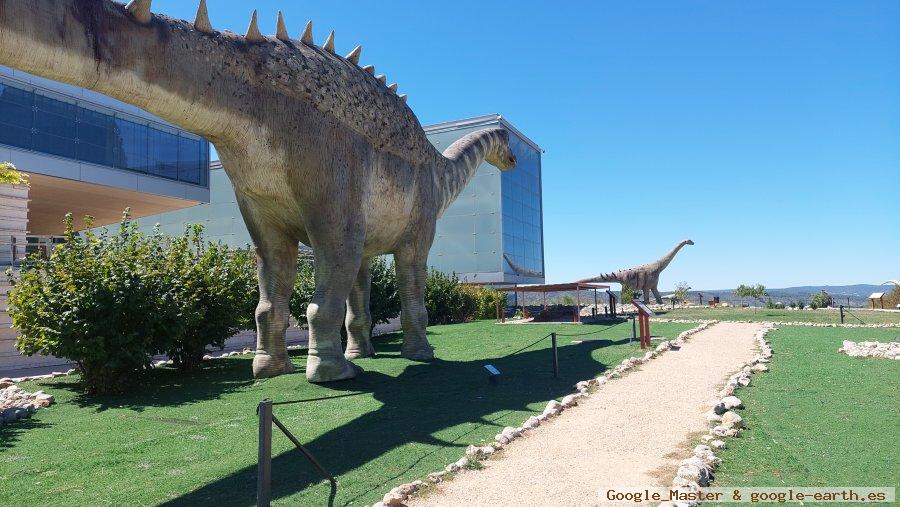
[
  {"x": 656, "y": 295},
  {"x": 336, "y": 270},
  {"x": 359, "y": 318},
  {"x": 411, "y": 275}
]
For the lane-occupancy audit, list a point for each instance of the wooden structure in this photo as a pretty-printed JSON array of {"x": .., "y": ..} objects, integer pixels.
[
  {"x": 554, "y": 287},
  {"x": 643, "y": 317},
  {"x": 877, "y": 296}
]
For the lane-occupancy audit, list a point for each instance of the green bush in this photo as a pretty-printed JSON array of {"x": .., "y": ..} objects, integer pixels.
[
  {"x": 820, "y": 300},
  {"x": 627, "y": 294},
  {"x": 11, "y": 176},
  {"x": 446, "y": 300},
  {"x": 304, "y": 288},
  {"x": 214, "y": 290},
  {"x": 486, "y": 301},
  {"x": 97, "y": 302},
  {"x": 384, "y": 299},
  {"x": 109, "y": 302}
]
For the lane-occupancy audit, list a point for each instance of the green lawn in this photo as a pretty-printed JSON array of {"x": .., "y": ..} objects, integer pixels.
[
  {"x": 819, "y": 418},
  {"x": 191, "y": 439},
  {"x": 853, "y": 316}
]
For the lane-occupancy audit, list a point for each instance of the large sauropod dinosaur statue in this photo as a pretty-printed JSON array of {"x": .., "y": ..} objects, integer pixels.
[
  {"x": 319, "y": 151},
  {"x": 644, "y": 277}
]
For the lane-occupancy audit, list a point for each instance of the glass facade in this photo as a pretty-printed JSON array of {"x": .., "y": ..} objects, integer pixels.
[
  {"x": 523, "y": 240},
  {"x": 32, "y": 119}
]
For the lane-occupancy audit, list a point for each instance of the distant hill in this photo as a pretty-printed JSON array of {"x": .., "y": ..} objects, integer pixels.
[{"x": 856, "y": 294}]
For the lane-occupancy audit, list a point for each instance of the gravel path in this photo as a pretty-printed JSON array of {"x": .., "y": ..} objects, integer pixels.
[{"x": 631, "y": 432}]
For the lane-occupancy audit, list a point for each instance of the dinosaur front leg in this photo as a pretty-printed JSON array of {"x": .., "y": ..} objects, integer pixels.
[
  {"x": 412, "y": 272},
  {"x": 656, "y": 295},
  {"x": 359, "y": 318}
]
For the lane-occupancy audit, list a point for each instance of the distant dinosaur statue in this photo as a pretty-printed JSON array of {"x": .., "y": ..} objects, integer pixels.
[
  {"x": 644, "y": 277},
  {"x": 319, "y": 151}
]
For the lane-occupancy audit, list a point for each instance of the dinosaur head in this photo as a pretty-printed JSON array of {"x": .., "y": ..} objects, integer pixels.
[
  {"x": 688, "y": 242},
  {"x": 501, "y": 156}
]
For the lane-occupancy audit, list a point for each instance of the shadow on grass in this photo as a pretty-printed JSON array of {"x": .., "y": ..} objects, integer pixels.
[
  {"x": 422, "y": 401},
  {"x": 167, "y": 387},
  {"x": 9, "y": 432}
]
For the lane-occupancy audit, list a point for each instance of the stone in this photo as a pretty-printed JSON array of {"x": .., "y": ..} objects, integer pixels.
[
  {"x": 436, "y": 477},
  {"x": 569, "y": 401},
  {"x": 720, "y": 408},
  {"x": 707, "y": 438},
  {"x": 724, "y": 431},
  {"x": 531, "y": 423},
  {"x": 717, "y": 444},
  {"x": 393, "y": 499},
  {"x": 4, "y": 383},
  {"x": 730, "y": 402},
  {"x": 553, "y": 407},
  {"x": 732, "y": 420},
  {"x": 759, "y": 368},
  {"x": 713, "y": 417},
  {"x": 727, "y": 391}
]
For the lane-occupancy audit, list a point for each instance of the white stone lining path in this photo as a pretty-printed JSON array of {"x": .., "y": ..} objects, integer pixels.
[
  {"x": 621, "y": 433},
  {"x": 791, "y": 323}
]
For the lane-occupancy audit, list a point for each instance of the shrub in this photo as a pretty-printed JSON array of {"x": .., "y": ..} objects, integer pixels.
[
  {"x": 628, "y": 294},
  {"x": 445, "y": 299},
  {"x": 820, "y": 300},
  {"x": 486, "y": 301},
  {"x": 9, "y": 175},
  {"x": 96, "y": 301},
  {"x": 681, "y": 292},
  {"x": 304, "y": 287},
  {"x": 892, "y": 298},
  {"x": 384, "y": 299},
  {"x": 212, "y": 290},
  {"x": 110, "y": 302}
]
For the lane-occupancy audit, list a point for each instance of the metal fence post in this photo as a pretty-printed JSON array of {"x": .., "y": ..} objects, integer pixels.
[
  {"x": 264, "y": 462},
  {"x": 842, "y": 314},
  {"x": 633, "y": 330},
  {"x": 555, "y": 355}
]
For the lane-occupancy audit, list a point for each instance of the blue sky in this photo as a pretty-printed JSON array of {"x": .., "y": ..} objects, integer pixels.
[{"x": 768, "y": 132}]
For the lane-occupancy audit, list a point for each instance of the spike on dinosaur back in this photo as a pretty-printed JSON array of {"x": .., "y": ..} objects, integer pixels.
[
  {"x": 307, "y": 37},
  {"x": 382, "y": 78},
  {"x": 253, "y": 33},
  {"x": 329, "y": 43},
  {"x": 353, "y": 56},
  {"x": 140, "y": 10},
  {"x": 281, "y": 32},
  {"x": 201, "y": 23},
  {"x": 403, "y": 97},
  {"x": 369, "y": 68},
  {"x": 393, "y": 87}
]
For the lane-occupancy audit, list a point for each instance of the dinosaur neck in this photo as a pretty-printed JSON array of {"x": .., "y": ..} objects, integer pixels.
[
  {"x": 663, "y": 262},
  {"x": 98, "y": 45},
  {"x": 462, "y": 160}
]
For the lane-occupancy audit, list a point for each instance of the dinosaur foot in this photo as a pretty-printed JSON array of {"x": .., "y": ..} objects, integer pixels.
[
  {"x": 266, "y": 365},
  {"x": 417, "y": 352},
  {"x": 355, "y": 351},
  {"x": 330, "y": 369}
]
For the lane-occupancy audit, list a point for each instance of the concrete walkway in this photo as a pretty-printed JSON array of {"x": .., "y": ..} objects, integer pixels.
[{"x": 631, "y": 432}]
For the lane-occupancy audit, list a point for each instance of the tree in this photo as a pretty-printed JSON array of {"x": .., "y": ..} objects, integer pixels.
[
  {"x": 681, "y": 292},
  {"x": 820, "y": 300},
  {"x": 757, "y": 291}
]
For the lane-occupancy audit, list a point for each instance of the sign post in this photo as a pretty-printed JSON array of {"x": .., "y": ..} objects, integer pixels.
[{"x": 644, "y": 315}]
